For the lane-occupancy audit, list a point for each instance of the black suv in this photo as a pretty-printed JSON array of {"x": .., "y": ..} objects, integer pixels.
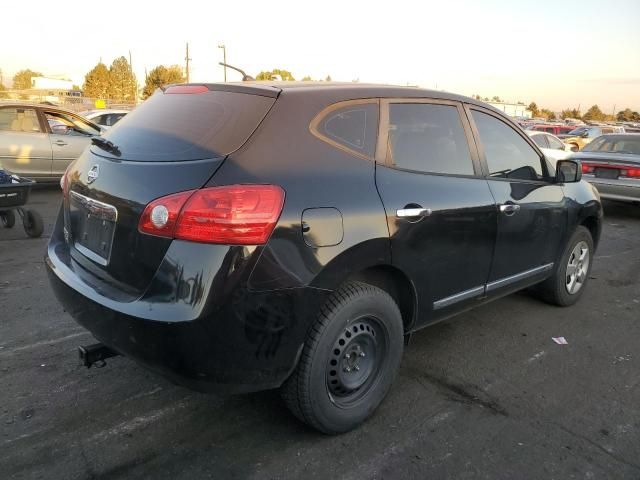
[{"x": 241, "y": 237}]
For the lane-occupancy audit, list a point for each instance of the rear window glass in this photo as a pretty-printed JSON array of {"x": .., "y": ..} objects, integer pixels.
[
  {"x": 353, "y": 126},
  {"x": 178, "y": 127}
]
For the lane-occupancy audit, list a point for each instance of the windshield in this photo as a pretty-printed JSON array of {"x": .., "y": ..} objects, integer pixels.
[{"x": 615, "y": 144}]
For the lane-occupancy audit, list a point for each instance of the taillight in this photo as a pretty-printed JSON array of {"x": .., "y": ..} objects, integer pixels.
[
  {"x": 630, "y": 172},
  {"x": 235, "y": 214},
  {"x": 587, "y": 168},
  {"x": 64, "y": 181},
  {"x": 624, "y": 170},
  {"x": 186, "y": 89}
]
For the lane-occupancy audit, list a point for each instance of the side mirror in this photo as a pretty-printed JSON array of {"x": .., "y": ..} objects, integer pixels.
[
  {"x": 568, "y": 171},
  {"x": 585, "y": 134},
  {"x": 60, "y": 129}
]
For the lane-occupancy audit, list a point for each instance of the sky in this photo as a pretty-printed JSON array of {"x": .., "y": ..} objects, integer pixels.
[{"x": 558, "y": 53}]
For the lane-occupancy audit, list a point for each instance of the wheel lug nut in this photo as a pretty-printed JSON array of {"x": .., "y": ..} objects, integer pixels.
[
  {"x": 347, "y": 369},
  {"x": 347, "y": 356},
  {"x": 362, "y": 354},
  {"x": 356, "y": 368}
]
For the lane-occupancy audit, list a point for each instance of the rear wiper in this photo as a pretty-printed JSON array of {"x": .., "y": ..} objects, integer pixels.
[{"x": 106, "y": 145}]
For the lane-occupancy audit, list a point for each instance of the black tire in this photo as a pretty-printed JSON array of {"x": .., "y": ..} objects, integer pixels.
[
  {"x": 32, "y": 223},
  {"x": 349, "y": 361},
  {"x": 8, "y": 218},
  {"x": 555, "y": 290}
]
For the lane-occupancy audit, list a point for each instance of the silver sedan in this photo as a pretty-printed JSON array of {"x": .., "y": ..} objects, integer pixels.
[
  {"x": 40, "y": 141},
  {"x": 612, "y": 164}
]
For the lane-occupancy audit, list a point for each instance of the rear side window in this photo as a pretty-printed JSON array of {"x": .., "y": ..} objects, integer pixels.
[
  {"x": 555, "y": 143},
  {"x": 508, "y": 154},
  {"x": 192, "y": 126},
  {"x": 19, "y": 120},
  {"x": 353, "y": 126},
  {"x": 540, "y": 140},
  {"x": 428, "y": 138}
]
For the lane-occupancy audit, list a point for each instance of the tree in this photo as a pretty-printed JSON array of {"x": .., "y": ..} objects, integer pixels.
[
  {"x": 533, "y": 108},
  {"x": 283, "y": 74},
  {"x": 546, "y": 113},
  {"x": 122, "y": 85},
  {"x": 627, "y": 115},
  {"x": 328, "y": 79},
  {"x": 594, "y": 113},
  {"x": 307, "y": 78},
  {"x": 22, "y": 79},
  {"x": 97, "y": 83},
  {"x": 161, "y": 76},
  {"x": 496, "y": 99}
]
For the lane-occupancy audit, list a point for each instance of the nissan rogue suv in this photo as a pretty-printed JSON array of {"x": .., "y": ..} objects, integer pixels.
[{"x": 243, "y": 237}]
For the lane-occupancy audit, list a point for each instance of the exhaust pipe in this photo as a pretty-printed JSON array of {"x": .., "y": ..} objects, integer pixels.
[{"x": 95, "y": 354}]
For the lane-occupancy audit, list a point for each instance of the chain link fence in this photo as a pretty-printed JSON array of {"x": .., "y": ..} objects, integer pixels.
[{"x": 70, "y": 100}]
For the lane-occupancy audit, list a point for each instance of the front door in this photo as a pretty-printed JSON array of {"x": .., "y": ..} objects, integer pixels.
[
  {"x": 440, "y": 211},
  {"x": 532, "y": 215},
  {"x": 70, "y": 135},
  {"x": 24, "y": 147}
]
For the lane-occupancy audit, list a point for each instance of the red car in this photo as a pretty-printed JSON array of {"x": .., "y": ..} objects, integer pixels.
[{"x": 553, "y": 129}]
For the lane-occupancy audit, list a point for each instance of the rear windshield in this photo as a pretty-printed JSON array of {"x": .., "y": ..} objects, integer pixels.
[{"x": 180, "y": 127}]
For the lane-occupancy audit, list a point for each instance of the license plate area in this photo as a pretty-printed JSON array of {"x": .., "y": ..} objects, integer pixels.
[
  {"x": 93, "y": 225},
  {"x": 609, "y": 173}
]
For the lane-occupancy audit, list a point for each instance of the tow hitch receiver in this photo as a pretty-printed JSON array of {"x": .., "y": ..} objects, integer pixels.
[{"x": 95, "y": 354}]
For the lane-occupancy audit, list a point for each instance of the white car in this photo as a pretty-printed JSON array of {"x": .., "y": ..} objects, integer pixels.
[
  {"x": 551, "y": 146},
  {"x": 105, "y": 118}
]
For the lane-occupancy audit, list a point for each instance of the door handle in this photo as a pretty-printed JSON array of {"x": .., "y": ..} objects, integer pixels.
[
  {"x": 60, "y": 142},
  {"x": 509, "y": 208},
  {"x": 413, "y": 212}
]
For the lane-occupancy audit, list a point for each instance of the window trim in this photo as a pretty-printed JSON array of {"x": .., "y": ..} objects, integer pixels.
[
  {"x": 53, "y": 111},
  {"x": 25, "y": 107},
  {"x": 383, "y": 153},
  {"x": 485, "y": 166},
  {"x": 322, "y": 114}
]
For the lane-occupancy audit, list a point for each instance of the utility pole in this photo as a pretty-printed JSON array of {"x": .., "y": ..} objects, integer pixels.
[
  {"x": 224, "y": 59},
  {"x": 135, "y": 93},
  {"x": 187, "y": 60}
]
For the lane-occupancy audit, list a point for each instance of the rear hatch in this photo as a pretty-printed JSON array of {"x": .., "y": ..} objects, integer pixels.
[{"x": 173, "y": 142}]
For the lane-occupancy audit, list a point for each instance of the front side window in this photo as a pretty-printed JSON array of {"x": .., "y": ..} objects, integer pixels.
[
  {"x": 19, "y": 120},
  {"x": 428, "y": 138},
  {"x": 352, "y": 126},
  {"x": 508, "y": 155},
  {"x": 63, "y": 124}
]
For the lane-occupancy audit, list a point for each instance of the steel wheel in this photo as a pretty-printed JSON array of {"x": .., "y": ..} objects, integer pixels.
[
  {"x": 577, "y": 268},
  {"x": 355, "y": 360}
]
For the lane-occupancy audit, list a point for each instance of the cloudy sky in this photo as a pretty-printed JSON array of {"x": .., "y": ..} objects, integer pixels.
[{"x": 560, "y": 53}]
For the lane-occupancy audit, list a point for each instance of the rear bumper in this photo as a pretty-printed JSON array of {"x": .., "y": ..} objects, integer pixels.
[
  {"x": 622, "y": 189},
  {"x": 232, "y": 342}
]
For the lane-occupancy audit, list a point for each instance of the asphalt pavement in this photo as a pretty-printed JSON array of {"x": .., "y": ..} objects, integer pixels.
[{"x": 485, "y": 395}]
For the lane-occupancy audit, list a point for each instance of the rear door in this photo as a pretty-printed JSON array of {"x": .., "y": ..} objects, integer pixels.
[
  {"x": 440, "y": 212},
  {"x": 532, "y": 215},
  {"x": 69, "y": 136},
  {"x": 24, "y": 146}
]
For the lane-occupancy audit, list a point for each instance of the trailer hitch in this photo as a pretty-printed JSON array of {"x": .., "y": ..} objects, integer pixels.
[{"x": 95, "y": 354}]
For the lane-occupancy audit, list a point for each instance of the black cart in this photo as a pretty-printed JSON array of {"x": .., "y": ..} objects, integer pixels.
[{"x": 12, "y": 198}]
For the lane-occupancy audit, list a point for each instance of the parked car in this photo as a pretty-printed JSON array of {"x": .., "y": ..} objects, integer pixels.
[
  {"x": 581, "y": 136},
  {"x": 106, "y": 117},
  {"x": 553, "y": 129},
  {"x": 551, "y": 146},
  {"x": 612, "y": 164},
  {"x": 294, "y": 235},
  {"x": 40, "y": 141}
]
